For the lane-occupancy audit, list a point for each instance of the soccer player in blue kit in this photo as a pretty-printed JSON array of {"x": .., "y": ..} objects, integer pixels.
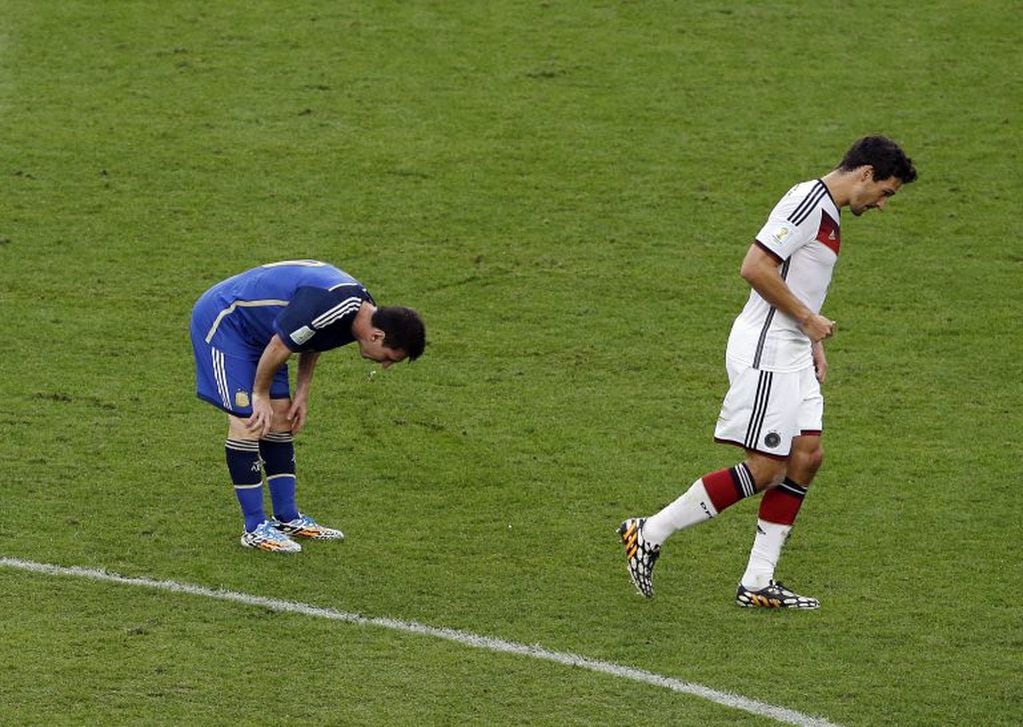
[{"x": 244, "y": 330}]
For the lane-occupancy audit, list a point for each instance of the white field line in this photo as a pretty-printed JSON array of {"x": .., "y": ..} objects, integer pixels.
[{"x": 726, "y": 699}]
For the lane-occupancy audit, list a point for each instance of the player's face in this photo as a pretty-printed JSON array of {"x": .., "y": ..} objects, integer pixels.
[
  {"x": 375, "y": 350},
  {"x": 873, "y": 194}
]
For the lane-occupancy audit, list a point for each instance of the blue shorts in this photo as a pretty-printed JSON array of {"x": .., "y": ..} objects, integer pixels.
[{"x": 225, "y": 368}]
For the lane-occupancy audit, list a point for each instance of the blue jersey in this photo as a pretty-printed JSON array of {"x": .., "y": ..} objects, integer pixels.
[{"x": 311, "y": 305}]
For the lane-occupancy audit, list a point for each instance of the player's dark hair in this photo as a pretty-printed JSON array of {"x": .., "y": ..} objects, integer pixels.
[
  {"x": 884, "y": 155},
  {"x": 403, "y": 329}
]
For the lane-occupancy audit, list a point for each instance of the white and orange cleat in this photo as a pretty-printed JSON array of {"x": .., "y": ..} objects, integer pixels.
[
  {"x": 305, "y": 527},
  {"x": 267, "y": 537}
]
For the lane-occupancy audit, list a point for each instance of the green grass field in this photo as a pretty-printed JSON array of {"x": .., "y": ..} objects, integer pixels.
[{"x": 565, "y": 191}]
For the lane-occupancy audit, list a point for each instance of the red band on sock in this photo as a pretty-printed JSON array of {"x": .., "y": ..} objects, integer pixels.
[
  {"x": 721, "y": 489},
  {"x": 780, "y": 506}
]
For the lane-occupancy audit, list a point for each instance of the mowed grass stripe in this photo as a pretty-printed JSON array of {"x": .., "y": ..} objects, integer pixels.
[{"x": 727, "y": 699}]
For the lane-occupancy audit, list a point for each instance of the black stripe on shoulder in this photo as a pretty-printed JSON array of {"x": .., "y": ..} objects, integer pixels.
[
  {"x": 809, "y": 203},
  {"x": 821, "y": 182}
]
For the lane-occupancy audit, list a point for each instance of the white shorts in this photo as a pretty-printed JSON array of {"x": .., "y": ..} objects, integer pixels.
[{"x": 764, "y": 410}]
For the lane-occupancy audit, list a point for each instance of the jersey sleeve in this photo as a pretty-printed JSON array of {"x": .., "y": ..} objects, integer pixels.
[
  {"x": 791, "y": 225},
  {"x": 781, "y": 237},
  {"x": 311, "y": 311}
]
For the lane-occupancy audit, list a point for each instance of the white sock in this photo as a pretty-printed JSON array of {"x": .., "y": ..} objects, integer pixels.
[
  {"x": 691, "y": 508},
  {"x": 763, "y": 556}
]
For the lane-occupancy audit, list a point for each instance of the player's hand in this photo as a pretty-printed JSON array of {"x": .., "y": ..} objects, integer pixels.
[
  {"x": 262, "y": 416},
  {"x": 297, "y": 413},
  {"x": 820, "y": 362},
  {"x": 817, "y": 327}
]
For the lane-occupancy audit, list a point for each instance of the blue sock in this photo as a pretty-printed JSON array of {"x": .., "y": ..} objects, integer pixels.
[
  {"x": 278, "y": 452},
  {"x": 243, "y": 464}
]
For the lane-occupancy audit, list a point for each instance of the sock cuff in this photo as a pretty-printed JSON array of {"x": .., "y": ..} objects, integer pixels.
[
  {"x": 727, "y": 487},
  {"x": 278, "y": 451},
  {"x": 781, "y": 504},
  {"x": 243, "y": 462},
  {"x": 742, "y": 478},
  {"x": 789, "y": 487},
  {"x": 279, "y": 437}
]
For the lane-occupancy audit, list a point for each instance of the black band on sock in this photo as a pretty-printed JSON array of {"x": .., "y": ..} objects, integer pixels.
[
  {"x": 789, "y": 487},
  {"x": 243, "y": 461},
  {"x": 742, "y": 478},
  {"x": 278, "y": 454},
  {"x": 279, "y": 437}
]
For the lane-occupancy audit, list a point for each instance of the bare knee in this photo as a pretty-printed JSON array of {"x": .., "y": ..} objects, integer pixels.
[
  {"x": 805, "y": 460},
  {"x": 280, "y": 421},
  {"x": 767, "y": 472},
  {"x": 238, "y": 429}
]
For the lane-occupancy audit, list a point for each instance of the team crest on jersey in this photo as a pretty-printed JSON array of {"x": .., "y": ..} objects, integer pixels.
[
  {"x": 241, "y": 399},
  {"x": 772, "y": 440}
]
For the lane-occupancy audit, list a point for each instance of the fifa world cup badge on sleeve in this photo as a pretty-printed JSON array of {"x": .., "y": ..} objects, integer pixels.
[
  {"x": 241, "y": 399},
  {"x": 302, "y": 335},
  {"x": 780, "y": 234}
]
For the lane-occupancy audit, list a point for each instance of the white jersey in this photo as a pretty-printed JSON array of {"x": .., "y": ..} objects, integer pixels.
[{"x": 802, "y": 233}]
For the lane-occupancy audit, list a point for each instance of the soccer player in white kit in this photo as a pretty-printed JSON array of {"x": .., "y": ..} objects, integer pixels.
[{"x": 775, "y": 362}]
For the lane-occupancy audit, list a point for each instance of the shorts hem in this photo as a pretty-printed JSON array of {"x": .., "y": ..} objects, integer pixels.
[
  {"x": 220, "y": 405},
  {"x": 771, "y": 455}
]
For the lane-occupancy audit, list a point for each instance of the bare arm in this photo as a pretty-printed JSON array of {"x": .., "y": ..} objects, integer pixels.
[
  {"x": 760, "y": 270},
  {"x": 274, "y": 356},
  {"x": 300, "y": 404},
  {"x": 820, "y": 361}
]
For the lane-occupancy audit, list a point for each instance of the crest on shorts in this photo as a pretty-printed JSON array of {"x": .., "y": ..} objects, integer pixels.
[
  {"x": 241, "y": 399},
  {"x": 772, "y": 440}
]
